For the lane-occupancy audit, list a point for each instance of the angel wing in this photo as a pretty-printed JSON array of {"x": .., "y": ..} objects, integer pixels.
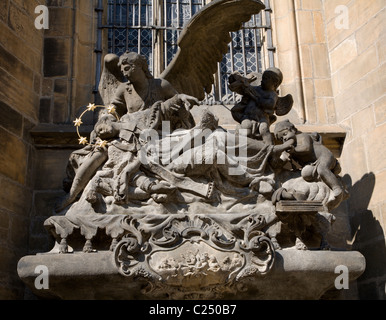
[
  {"x": 284, "y": 105},
  {"x": 203, "y": 42},
  {"x": 111, "y": 78}
]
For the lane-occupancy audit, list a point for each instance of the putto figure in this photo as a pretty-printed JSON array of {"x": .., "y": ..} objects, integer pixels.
[
  {"x": 316, "y": 160},
  {"x": 260, "y": 104}
]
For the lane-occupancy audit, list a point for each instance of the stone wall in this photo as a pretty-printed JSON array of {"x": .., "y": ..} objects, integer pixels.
[
  {"x": 357, "y": 55},
  {"x": 21, "y": 49},
  {"x": 67, "y": 86},
  {"x": 46, "y": 77},
  {"x": 69, "y": 60},
  {"x": 332, "y": 54}
]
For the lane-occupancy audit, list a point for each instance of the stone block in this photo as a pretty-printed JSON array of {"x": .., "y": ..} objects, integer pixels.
[
  {"x": 45, "y": 110},
  {"x": 51, "y": 169},
  {"x": 346, "y": 124},
  {"x": 358, "y": 15},
  {"x": 331, "y": 113},
  {"x": 363, "y": 10},
  {"x": 56, "y": 57},
  {"x": 61, "y": 86},
  {"x": 23, "y": 25},
  {"x": 290, "y": 66},
  {"x": 376, "y": 148},
  {"x": 18, "y": 235},
  {"x": 13, "y": 157},
  {"x": 357, "y": 68},
  {"x": 335, "y": 36},
  {"x": 312, "y": 5},
  {"x": 37, "y": 83},
  {"x": 285, "y": 33},
  {"x": 343, "y": 54},
  {"x": 84, "y": 96},
  {"x": 381, "y": 49},
  {"x": 84, "y": 64},
  {"x": 16, "y": 68},
  {"x": 320, "y": 60},
  {"x": 85, "y": 28},
  {"x": 371, "y": 32},
  {"x": 4, "y": 5},
  {"x": 60, "y": 110},
  {"x": 4, "y": 219},
  {"x": 86, "y": 7},
  {"x": 306, "y": 61},
  {"x": 380, "y": 110},
  {"x": 47, "y": 87},
  {"x": 353, "y": 159},
  {"x": 22, "y": 99},
  {"x": 60, "y": 22},
  {"x": 330, "y": 7},
  {"x": 318, "y": 26},
  {"x": 44, "y": 203},
  {"x": 310, "y": 100},
  {"x": 379, "y": 190},
  {"x": 305, "y": 24},
  {"x": 28, "y": 6},
  {"x": 11, "y": 199},
  {"x": 32, "y": 162},
  {"x": 59, "y": 3},
  {"x": 296, "y": 275},
  {"x": 282, "y": 8},
  {"x": 361, "y": 94},
  {"x": 363, "y": 122},
  {"x": 10, "y": 119},
  {"x": 323, "y": 87},
  {"x": 321, "y": 110},
  {"x": 18, "y": 48}
]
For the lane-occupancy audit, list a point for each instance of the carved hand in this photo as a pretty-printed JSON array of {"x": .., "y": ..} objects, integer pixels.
[{"x": 188, "y": 101}]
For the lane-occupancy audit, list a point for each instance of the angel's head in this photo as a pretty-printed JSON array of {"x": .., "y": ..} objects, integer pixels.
[
  {"x": 272, "y": 79},
  {"x": 131, "y": 63},
  {"x": 106, "y": 126},
  {"x": 285, "y": 130}
]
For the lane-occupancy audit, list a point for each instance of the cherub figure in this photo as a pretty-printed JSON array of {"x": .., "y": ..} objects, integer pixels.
[
  {"x": 316, "y": 160},
  {"x": 256, "y": 111}
]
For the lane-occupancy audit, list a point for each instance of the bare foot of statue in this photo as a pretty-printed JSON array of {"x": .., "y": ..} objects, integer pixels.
[
  {"x": 299, "y": 245},
  {"x": 162, "y": 187},
  {"x": 162, "y": 191}
]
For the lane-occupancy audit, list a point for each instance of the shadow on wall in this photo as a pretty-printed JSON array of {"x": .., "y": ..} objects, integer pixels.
[{"x": 367, "y": 237}]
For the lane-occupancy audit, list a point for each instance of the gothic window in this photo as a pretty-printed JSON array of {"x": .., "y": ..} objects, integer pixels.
[{"x": 152, "y": 27}]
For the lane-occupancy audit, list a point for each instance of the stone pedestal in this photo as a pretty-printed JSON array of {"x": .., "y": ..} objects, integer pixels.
[{"x": 295, "y": 274}]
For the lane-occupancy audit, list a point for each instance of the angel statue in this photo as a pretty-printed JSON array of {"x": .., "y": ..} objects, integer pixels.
[
  {"x": 142, "y": 102},
  {"x": 260, "y": 103}
]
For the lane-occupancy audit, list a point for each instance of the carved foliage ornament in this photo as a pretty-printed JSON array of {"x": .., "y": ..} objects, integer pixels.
[{"x": 193, "y": 255}]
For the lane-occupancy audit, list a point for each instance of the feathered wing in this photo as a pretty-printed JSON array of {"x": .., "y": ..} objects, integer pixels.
[
  {"x": 204, "y": 41},
  {"x": 284, "y": 105},
  {"x": 111, "y": 78}
]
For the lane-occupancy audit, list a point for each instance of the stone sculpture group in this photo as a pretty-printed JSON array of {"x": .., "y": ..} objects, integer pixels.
[{"x": 193, "y": 206}]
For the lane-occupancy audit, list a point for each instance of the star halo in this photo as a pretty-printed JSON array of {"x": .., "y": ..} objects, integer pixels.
[{"x": 78, "y": 122}]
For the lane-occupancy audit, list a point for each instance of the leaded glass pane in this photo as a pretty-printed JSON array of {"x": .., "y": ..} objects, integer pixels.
[{"x": 130, "y": 27}]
